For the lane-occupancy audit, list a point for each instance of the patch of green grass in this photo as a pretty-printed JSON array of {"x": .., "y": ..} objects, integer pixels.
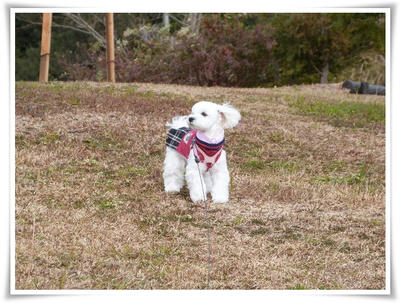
[
  {"x": 108, "y": 174},
  {"x": 102, "y": 142},
  {"x": 187, "y": 218},
  {"x": 376, "y": 222},
  {"x": 58, "y": 87},
  {"x": 67, "y": 259},
  {"x": 312, "y": 241},
  {"x": 155, "y": 257},
  {"x": 49, "y": 138},
  {"x": 31, "y": 176},
  {"x": 89, "y": 162},
  {"x": 132, "y": 171},
  {"x": 291, "y": 235},
  {"x": 146, "y": 222},
  {"x": 283, "y": 164},
  {"x": 257, "y": 222},
  {"x": 51, "y": 202},
  {"x": 357, "y": 178},
  {"x": 237, "y": 221},
  {"x": 78, "y": 204},
  {"x": 62, "y": 280},
  {"x": 255, "y": 164},
  {"x": 338, "y": 229},
  {"x": 334, "y": 166},
  {"x": 254, "y": 151},
  {"x": 74, "y": 100},
  {"x": 276, "y": 165},
  {"x": 259, "y": 231},
  {"x": 20, "y": 141},
  {"x": 328, "y": 242},
  {"x": 129, "y": 253},
  {"x": 163, "y": 230},
  {"x": 120, "y": 284},
  {"x": 345, "y": 248},
  {"x": 347, "y": 114},
  {"x": 110, "y": 89},
  {"x": 299, "y": 287},
  {"x": 129, "y": 91},
  {"x": 272, "y": 186},
  {"x": 146, "y": 94},
  {"x": 275, "y": 137},
  {"x": 105, "y": 203},
  {"x": 176, "y": 218},
  {"x": 70, "y": 170}
]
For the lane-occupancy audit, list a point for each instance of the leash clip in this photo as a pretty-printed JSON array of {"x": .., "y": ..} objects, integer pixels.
[{"x": 196, "y": 157}]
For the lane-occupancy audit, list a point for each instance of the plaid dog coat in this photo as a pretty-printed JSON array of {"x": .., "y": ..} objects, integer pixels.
[
  {"x": 181, "y": 140},
  {"x": 184, "y": 138}
]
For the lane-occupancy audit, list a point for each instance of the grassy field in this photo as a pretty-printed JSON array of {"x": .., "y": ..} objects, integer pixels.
[{"x": 307, "y": 203}]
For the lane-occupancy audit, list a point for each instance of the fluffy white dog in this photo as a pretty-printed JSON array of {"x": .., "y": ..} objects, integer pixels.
[{"x": 196, "y": 142}]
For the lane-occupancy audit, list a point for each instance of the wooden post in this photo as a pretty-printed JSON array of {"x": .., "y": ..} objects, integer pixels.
[
  {"x": 110, "y": 48},
  {"x": 45, "y": 48}
]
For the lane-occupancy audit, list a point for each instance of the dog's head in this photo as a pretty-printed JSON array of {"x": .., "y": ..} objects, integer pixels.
[{"x": 207, "y": 115}]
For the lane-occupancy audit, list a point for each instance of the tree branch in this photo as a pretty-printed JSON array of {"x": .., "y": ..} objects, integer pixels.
[
  {"x": 82, "y": 27},
  {"x": 81, "y": 23},
  {"x": 177, "y": 20},
  {"x": 316, "y": 68}
]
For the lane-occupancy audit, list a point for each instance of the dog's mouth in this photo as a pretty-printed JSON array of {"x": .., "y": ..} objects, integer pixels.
[{"x": 194, "y": 126}]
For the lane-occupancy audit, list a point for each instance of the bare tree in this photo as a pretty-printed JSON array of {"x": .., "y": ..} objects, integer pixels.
[
  {"x": 83, "y": 23},
  {"x": 84, "y": 26},
  {"x": 194, "y": 21},
  {"x": 191, "y": 20}
]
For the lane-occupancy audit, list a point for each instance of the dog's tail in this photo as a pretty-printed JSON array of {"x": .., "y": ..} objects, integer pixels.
[{"x": 178, "y": 122}]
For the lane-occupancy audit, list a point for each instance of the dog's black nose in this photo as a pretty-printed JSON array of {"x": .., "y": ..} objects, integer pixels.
[{"x": 191, "y": 119}]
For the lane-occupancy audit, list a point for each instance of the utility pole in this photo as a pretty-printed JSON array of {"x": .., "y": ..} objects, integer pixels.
[
  {"x": 110, "y": 48},
  {"x": 45, "y": 48}
]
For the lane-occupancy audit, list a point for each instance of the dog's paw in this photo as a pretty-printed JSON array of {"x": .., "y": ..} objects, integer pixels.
[
  {"x": 220, "y": 200},
  {"x": 172, "y": 189},
  {"x": 219, "y": 196},
  {"x": 196, "y": 198}
]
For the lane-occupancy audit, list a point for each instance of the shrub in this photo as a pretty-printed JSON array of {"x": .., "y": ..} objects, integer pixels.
[{"x": 225, "y": 52}]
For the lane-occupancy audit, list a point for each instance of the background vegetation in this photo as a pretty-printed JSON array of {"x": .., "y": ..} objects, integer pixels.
[{"x": 244, "y": 50}]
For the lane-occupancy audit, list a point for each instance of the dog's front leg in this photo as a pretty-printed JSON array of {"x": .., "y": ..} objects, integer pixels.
[
  {"x": 195, "y": 180},
  {"x": 220, "y": 180}
]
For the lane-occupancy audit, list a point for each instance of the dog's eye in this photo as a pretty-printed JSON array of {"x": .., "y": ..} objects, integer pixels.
[{"x": 204, "y": 114}]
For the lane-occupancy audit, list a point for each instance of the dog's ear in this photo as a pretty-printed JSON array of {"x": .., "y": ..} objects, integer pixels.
[{"x": 230, "y": 116}]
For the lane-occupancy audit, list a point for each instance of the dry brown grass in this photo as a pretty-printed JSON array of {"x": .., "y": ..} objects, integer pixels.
[{"x": 307, "y": 207}]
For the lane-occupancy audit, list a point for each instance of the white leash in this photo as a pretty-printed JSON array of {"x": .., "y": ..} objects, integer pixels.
[{"x": 207, "y": 220}]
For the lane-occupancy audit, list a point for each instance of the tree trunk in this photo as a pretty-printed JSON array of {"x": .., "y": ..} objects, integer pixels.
[
  {"x": 325, "y": 73},
  {"x": 165, "y": 19},
  {"x": 194, "y": 20}
]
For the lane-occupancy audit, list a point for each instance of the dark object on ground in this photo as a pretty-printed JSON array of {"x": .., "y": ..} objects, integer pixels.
[{"x": 363, "y": 88}]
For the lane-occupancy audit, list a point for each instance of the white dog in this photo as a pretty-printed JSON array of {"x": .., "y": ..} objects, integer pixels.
[{"x": 195, "y": 142}]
